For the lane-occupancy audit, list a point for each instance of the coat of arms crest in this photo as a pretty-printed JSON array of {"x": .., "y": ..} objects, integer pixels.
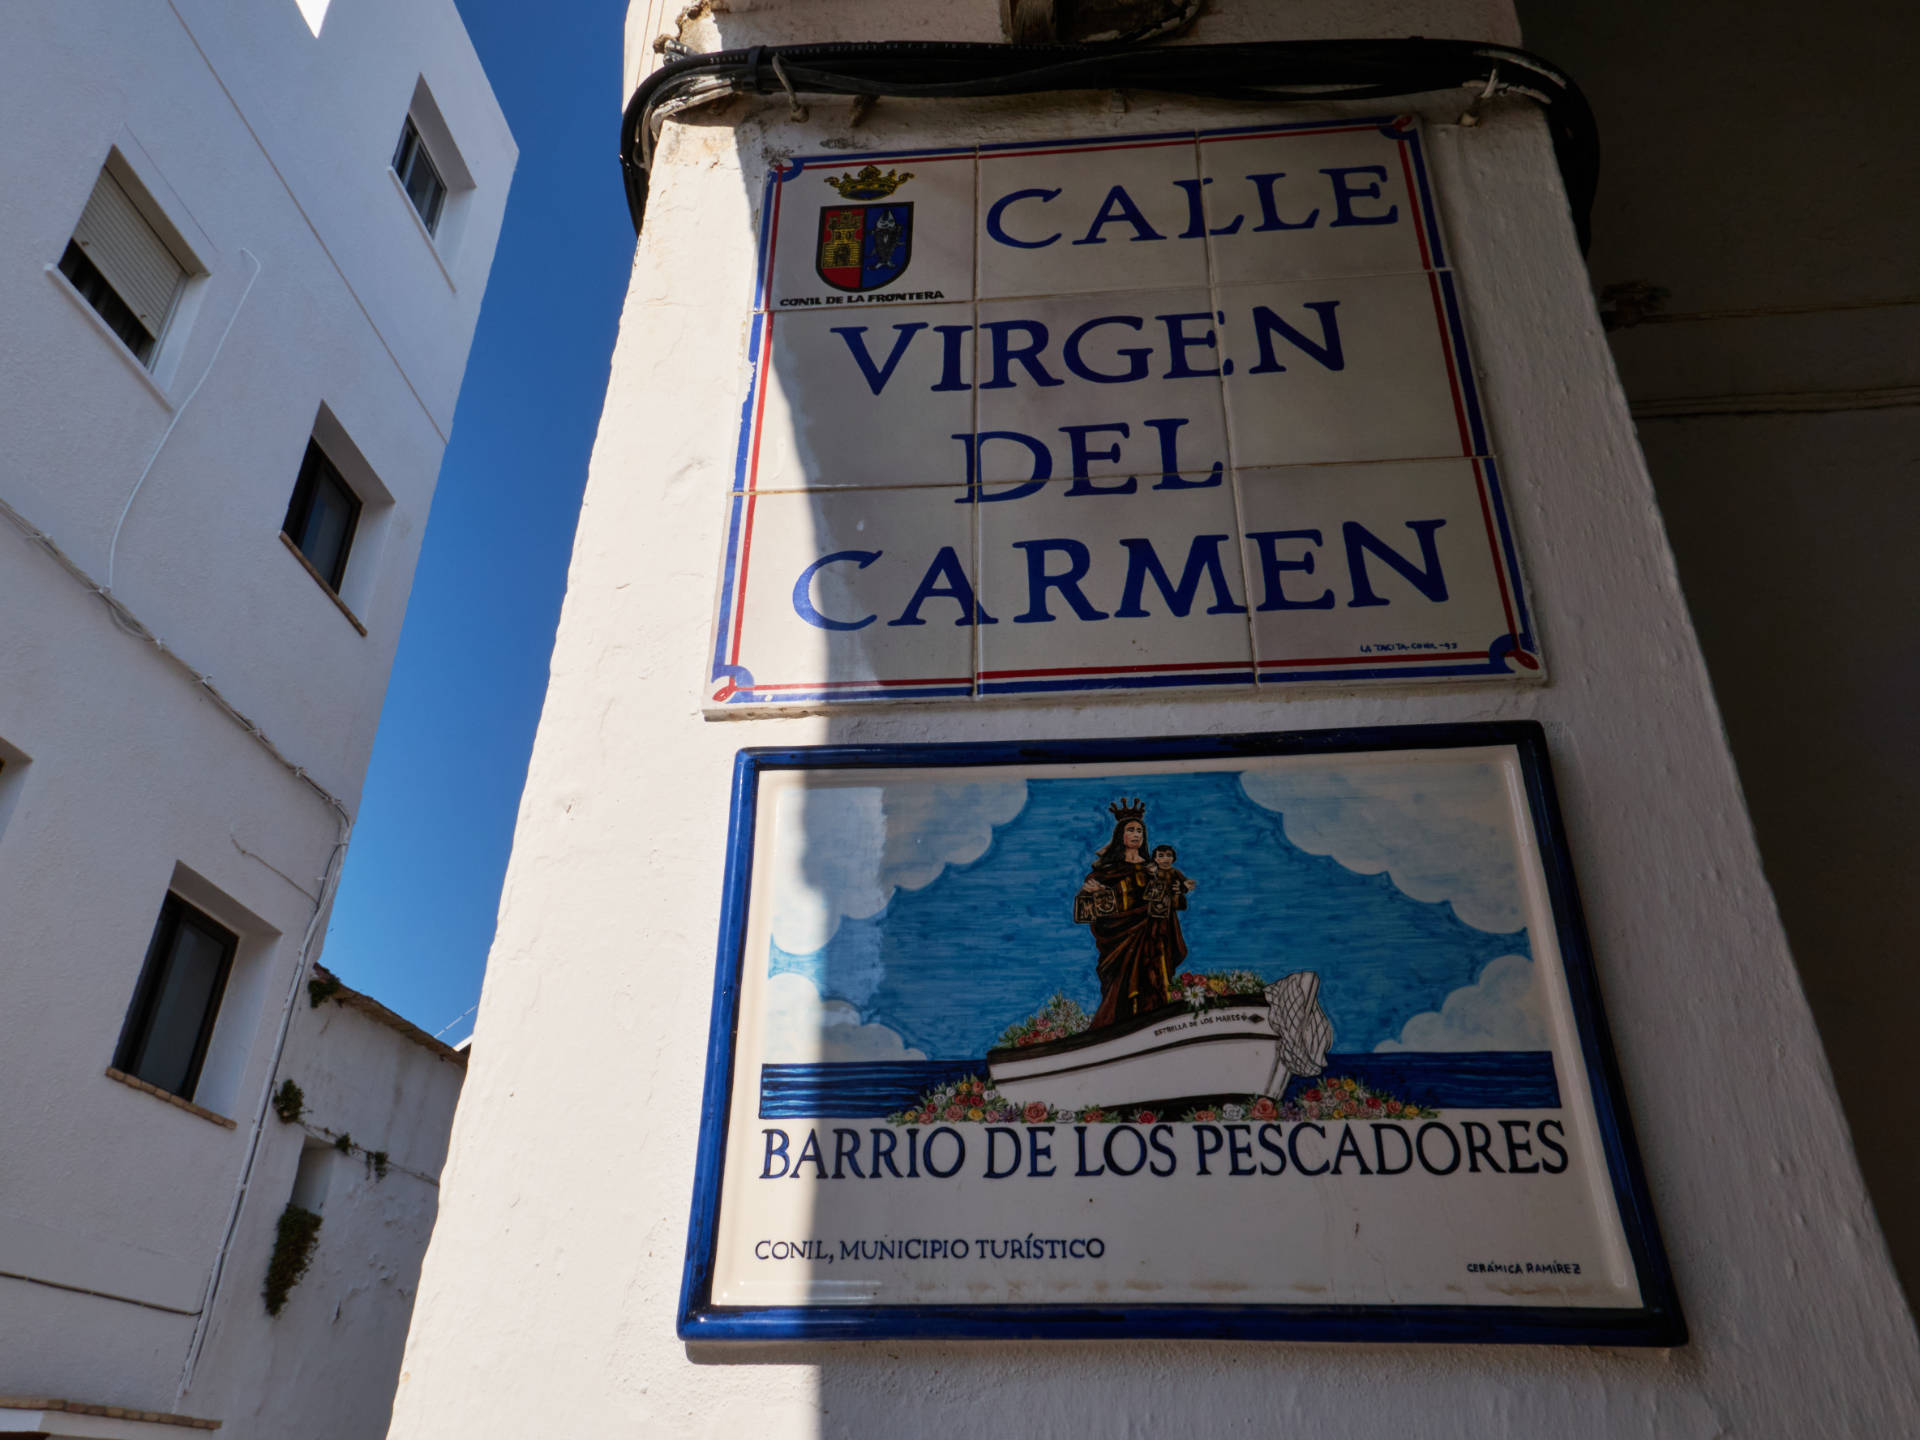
[{"x": 862, "y": 247}]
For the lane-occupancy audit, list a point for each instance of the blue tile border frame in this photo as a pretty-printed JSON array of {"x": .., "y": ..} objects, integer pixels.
[
  {"x": 1658, "y": 1322},
  {"x": 1513, "y": 654}
]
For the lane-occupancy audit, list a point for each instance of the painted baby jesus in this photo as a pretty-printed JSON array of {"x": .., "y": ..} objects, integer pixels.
[{"x": 1166, "y": 888}]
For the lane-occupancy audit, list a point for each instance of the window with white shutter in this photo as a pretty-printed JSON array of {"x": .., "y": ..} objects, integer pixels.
[{"x": 123, "y": 268}]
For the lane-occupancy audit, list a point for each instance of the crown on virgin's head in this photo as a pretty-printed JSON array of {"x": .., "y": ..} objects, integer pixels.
[
  {"x": 1125, "y": 810},
  {"x": 869, "y": 184}
]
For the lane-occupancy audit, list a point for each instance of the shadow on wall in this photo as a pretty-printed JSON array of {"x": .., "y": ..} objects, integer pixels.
[{"x": 1775, "y": 383}]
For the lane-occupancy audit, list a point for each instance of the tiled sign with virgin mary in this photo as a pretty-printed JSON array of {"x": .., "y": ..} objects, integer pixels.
[{"x": 1290, "y": 1036}]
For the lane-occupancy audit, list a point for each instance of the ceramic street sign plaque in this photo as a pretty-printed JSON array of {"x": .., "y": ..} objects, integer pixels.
[
  {"x": 1285, "y": 1036},
  {"x": 1108, "y": 415}
]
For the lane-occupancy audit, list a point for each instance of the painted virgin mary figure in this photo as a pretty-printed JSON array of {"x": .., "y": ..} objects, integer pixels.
[{"x": 1140, "y": 950}]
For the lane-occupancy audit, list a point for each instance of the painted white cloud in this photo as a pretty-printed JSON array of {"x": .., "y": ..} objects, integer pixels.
[
  {"x": 1442, "y": 831},
  {"x": 842, "y": 850},
  {"x": 803, "y": 1028},
  {"x": 1499, "y": 1011}
]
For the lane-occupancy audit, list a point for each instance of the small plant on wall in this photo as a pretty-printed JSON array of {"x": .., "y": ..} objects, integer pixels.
[
  {"x": 299, "y": 1232},
  {"x": 289, "y": 1102}
]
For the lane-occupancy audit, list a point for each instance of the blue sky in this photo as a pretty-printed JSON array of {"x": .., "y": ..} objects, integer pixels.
[{"x": 415, "y": 913}]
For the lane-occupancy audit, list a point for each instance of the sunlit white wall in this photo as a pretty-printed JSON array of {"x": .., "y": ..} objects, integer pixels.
[{"x": 317, "y": 302}]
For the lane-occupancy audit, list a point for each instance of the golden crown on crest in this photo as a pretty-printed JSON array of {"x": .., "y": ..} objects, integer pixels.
[
  {"x": 869, "y": 183},
  {"x": 1125, "y": 810}
]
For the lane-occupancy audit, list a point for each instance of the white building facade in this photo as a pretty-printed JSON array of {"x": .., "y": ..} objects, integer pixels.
[
  {"x": 362, "y": 1152},
  {"x": 552, "y": 1287},
  {"x": 241, "y": 260}
]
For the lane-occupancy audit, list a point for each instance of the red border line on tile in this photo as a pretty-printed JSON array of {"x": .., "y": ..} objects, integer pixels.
[
  {"x": 1181, "y": 667},
  {"x": 1493, "y": 545},
  {"x": 1422, "y": 655},
  {"x": 857, "y": 684},
  {"x": 1413, "y": 206},
  {"x": 1453, "y": 374},
  {"x": 753, "y": 469}
]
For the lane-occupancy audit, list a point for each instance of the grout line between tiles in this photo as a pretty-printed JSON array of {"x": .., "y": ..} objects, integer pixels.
[
  {"x": 930, "y": 487},
  {"x": 1306, "y": 278},
  {"x": 1217, "y": 305},
  {"x": 1249, "y": 470}
]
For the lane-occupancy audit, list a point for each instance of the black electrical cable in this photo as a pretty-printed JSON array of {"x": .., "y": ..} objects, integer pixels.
[{"x": 1274, "y": 71}]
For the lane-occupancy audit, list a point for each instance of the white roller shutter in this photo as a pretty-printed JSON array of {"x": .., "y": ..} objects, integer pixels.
[{"x": 127, "y": 250}]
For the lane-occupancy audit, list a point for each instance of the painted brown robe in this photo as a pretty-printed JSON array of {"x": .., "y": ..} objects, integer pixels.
[{"x": 1140, "y": 952}]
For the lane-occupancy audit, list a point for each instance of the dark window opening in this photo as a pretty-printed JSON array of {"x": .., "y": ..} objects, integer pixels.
[
  {"x": 94, "y": 289},
  {"x": 418, "y": 176},
  {"x": 322, "y": 515},
  {"x": 167, "y": 1030}
]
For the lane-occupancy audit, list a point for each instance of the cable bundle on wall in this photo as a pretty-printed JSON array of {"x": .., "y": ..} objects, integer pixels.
[{"x": 1292, "y": 71}]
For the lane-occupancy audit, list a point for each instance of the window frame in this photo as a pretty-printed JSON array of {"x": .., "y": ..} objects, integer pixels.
[
  {"x": 93, "y": 287},
  {"x": 124, "y": 201},
  {"x": 13, "y": 776},
  {"x": 137, "y": 1030},
  {"x": 316, "y": 464},
  {"x": 161, "y": 209},
  {"x": 410, "y": 153}
]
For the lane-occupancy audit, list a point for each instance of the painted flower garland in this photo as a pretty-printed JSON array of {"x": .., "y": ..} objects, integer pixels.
[{"x": 1329, "y": 1098}]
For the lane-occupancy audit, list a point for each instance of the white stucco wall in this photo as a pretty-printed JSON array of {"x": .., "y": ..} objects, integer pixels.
[
  {"x": 263, "y": 144},
  {"x": 549, "y": 1294},
  {"x": 132, "y": 774},
  {"x": 324, "y": 1367}
]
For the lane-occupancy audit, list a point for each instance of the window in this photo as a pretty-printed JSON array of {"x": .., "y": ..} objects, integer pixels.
[
  {"x": 321, "y": 516},
  {"x": 418, "y": 177},
  {"x": 311, "y": 1175},
  {"x": 430, "y": 172},
  {"x": 123, "y": 268},
  {"x": 13, "y": 765},
  {"x": 171, "y": 1021}
]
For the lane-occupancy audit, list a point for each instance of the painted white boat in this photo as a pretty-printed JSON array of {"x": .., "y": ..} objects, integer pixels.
[{"x": 1244, "y": 1046}]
